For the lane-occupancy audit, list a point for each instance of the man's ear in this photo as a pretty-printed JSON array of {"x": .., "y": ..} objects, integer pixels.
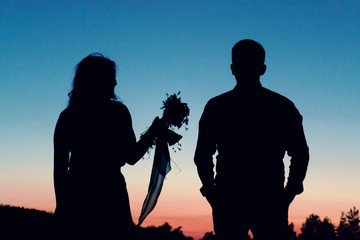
[{"x": 262, "y": 70}]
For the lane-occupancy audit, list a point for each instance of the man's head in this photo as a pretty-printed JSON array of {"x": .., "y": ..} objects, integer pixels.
[{"x": 248, "y": 59}]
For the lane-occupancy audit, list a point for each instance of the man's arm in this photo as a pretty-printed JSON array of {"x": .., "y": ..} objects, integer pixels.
[
  {"x": 298, "y": 150},
  {"x": 205, "y": 149}
]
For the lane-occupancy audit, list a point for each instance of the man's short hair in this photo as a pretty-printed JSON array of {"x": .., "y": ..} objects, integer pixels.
[{"x": 248, "y": 52}]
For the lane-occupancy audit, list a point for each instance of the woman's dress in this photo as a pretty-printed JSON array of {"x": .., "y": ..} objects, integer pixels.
[{"x": 100, "y": 140}]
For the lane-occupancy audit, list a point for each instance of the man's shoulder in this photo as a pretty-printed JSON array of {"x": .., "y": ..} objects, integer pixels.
[
  {"x": 281, "y": 103},
  {"x": 277, "y": 98},
  {"x": 221, "y": 99},
  {"x": 216, "y": 105}
]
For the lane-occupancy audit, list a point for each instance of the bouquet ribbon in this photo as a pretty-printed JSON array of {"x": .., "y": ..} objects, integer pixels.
[{"x": 161, "y": 166}]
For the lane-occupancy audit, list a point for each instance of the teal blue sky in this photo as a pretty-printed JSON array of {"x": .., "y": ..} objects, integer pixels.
[{"x": 312, "y": 54}]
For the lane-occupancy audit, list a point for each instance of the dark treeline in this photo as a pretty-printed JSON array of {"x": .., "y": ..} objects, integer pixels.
[
  {"x": 22, "y": 223},
  {"x": 316, "y": 229},
  {"x": 18, "y": 223}
]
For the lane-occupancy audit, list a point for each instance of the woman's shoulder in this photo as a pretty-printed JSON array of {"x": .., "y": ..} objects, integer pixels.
[
  {"x": 118, "y": 106},
  {"x": 120, "y": 109},
  {"x": 64, "y": 119},
  {"x": 114, "y": 108},
  {"x": 64, "y": 114}
]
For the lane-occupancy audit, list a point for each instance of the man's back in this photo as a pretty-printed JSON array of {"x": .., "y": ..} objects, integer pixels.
[{"x": 252, "y": 131}]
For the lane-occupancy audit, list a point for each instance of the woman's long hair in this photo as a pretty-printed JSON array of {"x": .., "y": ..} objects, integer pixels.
[{"x": 94, "y": 81}]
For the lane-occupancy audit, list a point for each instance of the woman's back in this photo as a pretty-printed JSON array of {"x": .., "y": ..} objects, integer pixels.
[{"x": 100, "y": 138}]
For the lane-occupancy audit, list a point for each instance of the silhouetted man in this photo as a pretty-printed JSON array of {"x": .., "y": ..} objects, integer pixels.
[{"x": 251, "y": 128}]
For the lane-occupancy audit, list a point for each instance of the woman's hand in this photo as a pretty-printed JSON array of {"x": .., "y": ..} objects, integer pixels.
[{"x": 156, "y": 127}]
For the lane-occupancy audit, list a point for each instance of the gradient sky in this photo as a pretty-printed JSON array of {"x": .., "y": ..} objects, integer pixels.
[{"x": 312, "y": 54}]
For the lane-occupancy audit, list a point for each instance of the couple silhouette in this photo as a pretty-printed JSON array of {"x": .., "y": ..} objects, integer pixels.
[{"x": 250, "y": 127}]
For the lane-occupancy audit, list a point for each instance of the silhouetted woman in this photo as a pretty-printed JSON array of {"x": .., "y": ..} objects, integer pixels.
[{"x": 93, "y": 139}]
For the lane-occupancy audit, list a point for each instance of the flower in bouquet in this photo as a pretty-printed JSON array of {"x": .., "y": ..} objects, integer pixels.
[{"x": 176, "y": 113}]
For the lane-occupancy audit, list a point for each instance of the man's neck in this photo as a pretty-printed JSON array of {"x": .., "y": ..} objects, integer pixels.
[{"x": 248, "y": 84}]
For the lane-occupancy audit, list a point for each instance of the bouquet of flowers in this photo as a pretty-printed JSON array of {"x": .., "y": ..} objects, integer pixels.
[{"x": 175, "y": 114}]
